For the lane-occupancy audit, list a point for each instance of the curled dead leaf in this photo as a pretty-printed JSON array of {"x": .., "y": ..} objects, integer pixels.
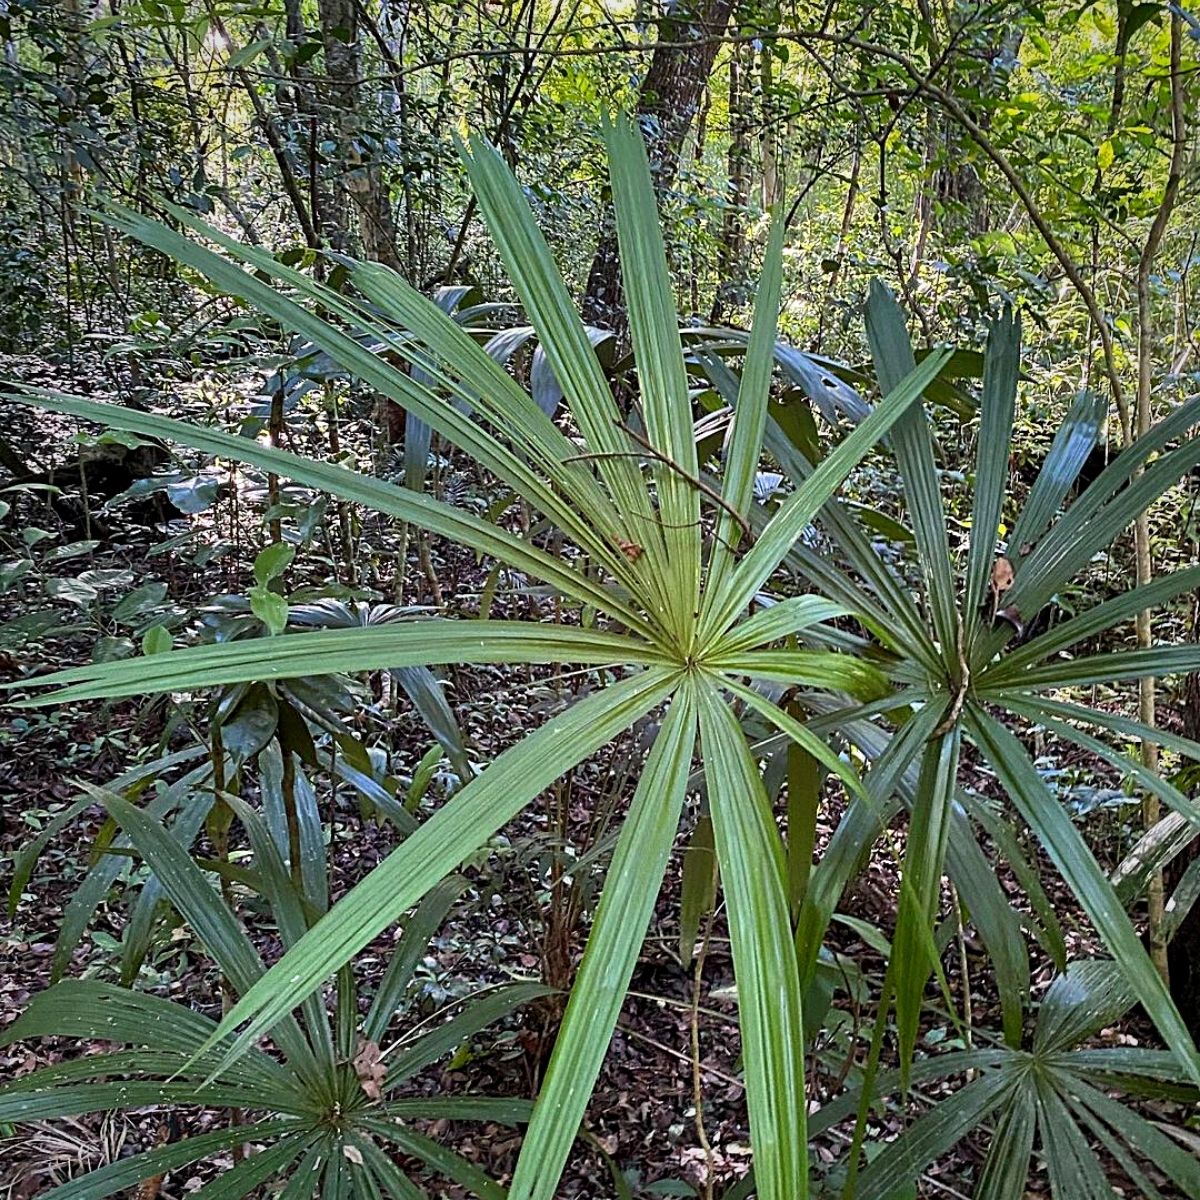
[
  {"x": 1012, "y": 616},
  {"x": 370, "y": 1069},
  {"x": 1002, "y": 575}
]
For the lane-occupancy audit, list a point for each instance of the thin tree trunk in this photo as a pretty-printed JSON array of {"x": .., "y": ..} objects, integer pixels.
[
  {"x": 698, "y": 159},
  {"x": 839, "y": 252},
  {"x": 667, "y": 104},
  {"x": 772, "y": 175},
  {"x": 363, "y": 177},
  {"x": 732, "y": 248},
  {"x": 1143, "y": 420}
]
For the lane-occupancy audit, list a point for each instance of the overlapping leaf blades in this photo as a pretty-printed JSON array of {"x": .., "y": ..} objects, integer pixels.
[
  {"x": 316, "y": 1095},
  {"x": 677, "y": 632},
  {"x": 955, "y": 670},
  {"x": 1055, "y": 1091},
  {"x": 631, "y": 504}
]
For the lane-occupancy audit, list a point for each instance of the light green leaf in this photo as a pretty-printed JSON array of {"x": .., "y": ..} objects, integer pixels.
[
  {"x": 626, "y": 905},
  {"x": 807, "y": 500},
  {"x": 698, "y": 889},
  {"x": 662, "y": 380},
  {"x": 157, "y": 640},
  {"x": 270, "y": 608},
  {"x": 423, "y": 511},
  {"x": 764, "y": 958},
  {"x": 1001, "y": 367},
  {"x": 569, "y": 351},
  {"x": 454, "y": 833},
  {"x": 332, "y": 651},
  {"x": 777, "y": 621},
  {"x": 812, "y": 668},
  {"x": 1070, "y": 854},
  {"x": 750, "y": 415},
  {"x": 924, "y": 860},
  {"x": 801, "y": 735},
  {"x": 912, "y": 442},
  {"x": 272, "y": 562}
]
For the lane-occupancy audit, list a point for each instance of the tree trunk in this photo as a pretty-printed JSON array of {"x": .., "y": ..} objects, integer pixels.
[
  {"x": 667, "y": 104},
  {"x": 731, "y": 252},
  {"x": 770, "y": 138},
  {"x": 362, "y": 176},
  {"x": 1143, "y": 419},
  {"x": 1183, "y": 950}
]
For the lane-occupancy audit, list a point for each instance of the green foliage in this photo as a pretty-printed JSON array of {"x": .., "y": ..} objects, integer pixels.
[
  {"x": 25, "y": 297},
  {"x": 679, "y": 601},
  {"x": 687, "y": 641},
  {"x": 330, "y": 1103},
  {"x": 1056, "y": 1094}
]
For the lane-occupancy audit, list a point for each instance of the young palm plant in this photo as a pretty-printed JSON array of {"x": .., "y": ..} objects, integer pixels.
[
  {"x": 960, "y": 653},
  {"x": 663, "y": 615},
  {"x": 1055, "y": 1093},
  {"x": 963, "y": 651},
  {"x": 325, "y": 1111},
  {"x": 280, "y": 734}
]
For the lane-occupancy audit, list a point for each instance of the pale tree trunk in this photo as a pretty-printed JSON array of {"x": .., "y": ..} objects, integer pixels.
[
  {"x": 698, "y": 160},
  {"x": 952, "y": 200},
  {"x": 305, "y": 210},
  {"x": 362, "y": 180},
  {"x": 668, "y": 101},
  {"x": 731, "y": 252},
  {"x": 769, "y": 142},
  {"x": 1143, "y": 419}
]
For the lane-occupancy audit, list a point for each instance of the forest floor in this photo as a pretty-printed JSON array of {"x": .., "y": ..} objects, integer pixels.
[{"x": 642, "y": 1122}]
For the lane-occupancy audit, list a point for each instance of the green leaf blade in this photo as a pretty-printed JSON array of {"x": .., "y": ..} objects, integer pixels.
[
  {"x": 439, "y": 846},
  {"x": 626, "y": 906},
  {"x": 753, "y": 875},
  {"x": 1070, "y": 854}
]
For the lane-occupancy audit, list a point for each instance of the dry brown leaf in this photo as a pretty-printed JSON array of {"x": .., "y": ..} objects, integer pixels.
[
  {"x": 370, "y": 1069},
  {"x": 1002, "y": 575}
]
